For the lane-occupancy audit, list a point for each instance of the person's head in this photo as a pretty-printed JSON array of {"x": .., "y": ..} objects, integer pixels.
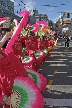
[{"x": 32, "y": 33}]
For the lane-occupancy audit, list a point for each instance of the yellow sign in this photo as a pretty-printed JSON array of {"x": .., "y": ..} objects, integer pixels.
[
  {"x": 46, "y": 30},
  {"x": 67, "y": 22}
]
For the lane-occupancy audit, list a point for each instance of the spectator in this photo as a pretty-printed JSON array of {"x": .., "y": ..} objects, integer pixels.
[
  {"x": 67, "y": 41},
  {"x": 5, "y": 38}
]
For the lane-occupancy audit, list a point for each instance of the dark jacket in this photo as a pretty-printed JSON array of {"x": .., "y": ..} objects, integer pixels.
[{"x": 67, "y": 39}]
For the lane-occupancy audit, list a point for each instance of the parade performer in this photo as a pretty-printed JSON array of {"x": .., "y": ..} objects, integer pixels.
[{"x": 7, "y": 36}]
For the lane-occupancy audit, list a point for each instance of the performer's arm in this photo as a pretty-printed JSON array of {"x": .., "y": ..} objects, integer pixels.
[{"x": 5, "y": 38}]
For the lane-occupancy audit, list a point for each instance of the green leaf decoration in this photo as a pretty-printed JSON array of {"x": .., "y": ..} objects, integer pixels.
[
  {"x": 23, "y": 49},
  {"x": 24, "y": 32},
  {"x": 40, "y": 33},
  {"x": 46, "y": 51},
  {"x": 33, "y": 76},
  {"x": 14, "y": 24},
  {"x": 38, "y": 53},
  {"x": 31, "y": 28},
  {"x": 40, "y": 26},
  {"x": 26, "y": 59},
  {"x": 50, "y": 36}
]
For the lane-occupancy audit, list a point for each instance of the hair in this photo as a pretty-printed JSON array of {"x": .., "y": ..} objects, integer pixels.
[{"x": 32, "y": 33}]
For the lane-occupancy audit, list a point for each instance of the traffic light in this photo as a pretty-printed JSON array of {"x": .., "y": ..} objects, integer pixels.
[{"x": 68, "y": 15}]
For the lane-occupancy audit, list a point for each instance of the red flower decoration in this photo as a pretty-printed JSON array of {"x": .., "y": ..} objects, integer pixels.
[
  {"x": 17, "y": 48},
  {"x": 10, "y": 67}
]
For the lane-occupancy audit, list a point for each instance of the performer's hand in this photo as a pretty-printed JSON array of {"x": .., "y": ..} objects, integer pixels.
[
  {"x": 8, "y": 100},
  {"x": 9, "y": 34}
]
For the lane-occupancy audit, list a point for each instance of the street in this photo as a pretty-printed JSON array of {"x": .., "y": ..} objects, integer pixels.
[{"x": 58, "y": 71}]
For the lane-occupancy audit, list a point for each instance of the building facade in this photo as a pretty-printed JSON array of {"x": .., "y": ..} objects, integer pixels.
[
  {"x": 39, "y": 17},
  {"x": 7, "y": 9},
  {"x": 7, "y": 5}
]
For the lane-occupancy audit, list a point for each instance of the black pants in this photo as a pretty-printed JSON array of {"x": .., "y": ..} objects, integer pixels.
[{"x": 66, "y": 44}]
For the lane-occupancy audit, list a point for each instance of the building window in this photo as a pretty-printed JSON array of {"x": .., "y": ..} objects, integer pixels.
[{"x": 1, "y": 2}]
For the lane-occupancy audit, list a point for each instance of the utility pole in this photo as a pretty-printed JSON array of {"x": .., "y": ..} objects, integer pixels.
[
  {"x": 61, "y": 21},
  {"x": 62, "y": 24},
  {"x": 71, "y": 26}
]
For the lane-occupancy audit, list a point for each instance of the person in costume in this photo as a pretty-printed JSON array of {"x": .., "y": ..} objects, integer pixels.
[{"x": 7, "y": 36}]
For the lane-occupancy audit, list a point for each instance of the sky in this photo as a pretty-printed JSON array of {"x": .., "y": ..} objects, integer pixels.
[{"x": 52, "y": 12}]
